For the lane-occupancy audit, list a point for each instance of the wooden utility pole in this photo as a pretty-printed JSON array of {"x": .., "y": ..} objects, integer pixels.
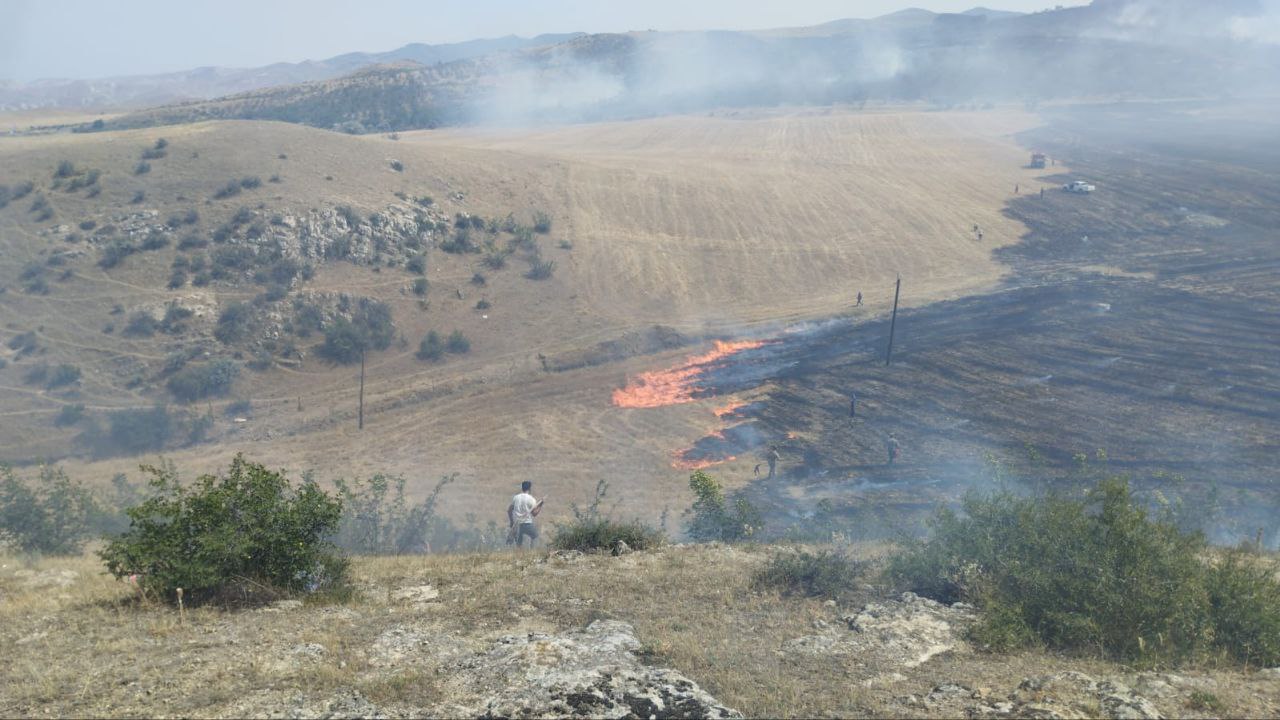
[
  {"x": 361, "y": 389},
  {"x": 893, "y": 323}
]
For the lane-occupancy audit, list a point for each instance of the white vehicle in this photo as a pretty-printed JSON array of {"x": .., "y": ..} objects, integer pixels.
[{"x": 1079, "y": 186}]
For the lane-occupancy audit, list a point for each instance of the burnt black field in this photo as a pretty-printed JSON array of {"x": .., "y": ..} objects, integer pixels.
[{"x": 1137, "y": 334}]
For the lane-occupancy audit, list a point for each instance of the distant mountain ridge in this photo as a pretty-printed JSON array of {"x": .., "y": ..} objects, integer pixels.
[{"x": 205, "y": 83}]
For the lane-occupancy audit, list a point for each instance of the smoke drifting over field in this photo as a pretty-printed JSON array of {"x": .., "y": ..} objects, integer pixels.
[{"x": 1112, "y": 48}]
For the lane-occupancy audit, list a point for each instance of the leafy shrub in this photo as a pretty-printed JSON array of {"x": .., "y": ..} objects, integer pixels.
[
  {"x": 177, "y": 279},
  {"x": 397, "y": 166},
  {"x": 431, "y": 348},
  {"x": 420, "y": 286},
  {"x": 196, "y": 382},
  {"x": 821, "y": 573},
  {"x": 64, "y": 374},
  {"x": 233, "y": 323},
  {"x": 541, "y": 222},
  {"x": 142, "y": 168},
  {"x": 24, "y": 343},
  {"x": 114, "y": 253},
  {"x": 483, "y": 304},
  {"x": 540, "y": 269},
  {"x": 6, "y": 194},
  {"x": 457, "y": 343},
  {"x": 1244, "y": 601},
  {"x": 65, "y": 169},
  {"x": 604, "y": 534},
  {"x": 88, "y": 225},
  {"x": 141, "y": 324},
  {"x": 713, "y": 517},
  {"x": 370, "y": 328},
  {"x": 130, "y": 432},
  {"x": 247, "y": 529},
  {"x": 51, "y": 515},
  {"x": 69, "y": 415},
  {"x": 138, "y": 198},
  {"x": 377, "y": 519},
  {"x": 495, "y": 260},
  {"x": 155, "y": 240},
  {"x": 416, "y": 264},
  {"x": 231, "y": 189},
  {"x": 153, "y": 153},
  {"x": 251, "y": 182},
  {"x": 37, "y": 374},
  {"x": 347, "y": 213},
  {"x": 479, "y": 280},
  {"x": 1096, "y": 574},
  {"x": 192, "y": 241}
]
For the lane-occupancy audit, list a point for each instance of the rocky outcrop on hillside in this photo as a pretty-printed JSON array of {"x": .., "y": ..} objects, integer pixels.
[
  {"x": 886, "y": 637},
  {"x": 592, "y": 672}
]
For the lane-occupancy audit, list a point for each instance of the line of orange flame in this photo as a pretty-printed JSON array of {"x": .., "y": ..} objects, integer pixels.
[
  {"x": 729, "y": 409},
  {"x": 675, "y": 385}
]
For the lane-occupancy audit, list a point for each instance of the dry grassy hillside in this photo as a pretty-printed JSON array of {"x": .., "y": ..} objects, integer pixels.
[{"x": 707, "y": 224}]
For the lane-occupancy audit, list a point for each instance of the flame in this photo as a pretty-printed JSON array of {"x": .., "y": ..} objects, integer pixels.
[
  {"x": 729, "y": 409},
  {"x": 675, "y": 385},
  {"x": 682, "y": 464}
]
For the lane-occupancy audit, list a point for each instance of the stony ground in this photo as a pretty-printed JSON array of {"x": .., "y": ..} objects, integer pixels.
[{"x": 677, "y": 632}]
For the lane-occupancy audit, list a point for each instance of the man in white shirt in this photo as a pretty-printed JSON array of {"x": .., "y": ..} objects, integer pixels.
[{"x": 520, "y": 514}]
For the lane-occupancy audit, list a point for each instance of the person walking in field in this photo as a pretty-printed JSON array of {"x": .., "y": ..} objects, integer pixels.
[
  {"x": 772, "y": 457},
  {"x": 853, "y": 404},
  {"x": 520, "y": 514},
  {"x": 891, "y": 446},
  {"x": 859, "y": 302}
]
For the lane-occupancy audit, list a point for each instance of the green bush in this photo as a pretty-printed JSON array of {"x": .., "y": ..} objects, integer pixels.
[
  {"x": 142, "y": 168},
  {"x": 604, "y": 534},
  {"x": 234, "y": 323},
  {"x": 69, "y": 415},
  {"x": 229, "y": 536},
  {"x": 431, "y": 348},
  {"x": 377, "y": 519},
  {"x": 420, "y": 286},
  {"x": 811, "y": 574},
  {"x": 457, "y": 343},
  {"x": 52, "y": 515},
  {"x": 540, "y": 269},
  {"x": 196, "y": 382},
  {"x": 370, "y": 328},
  {"x": 713, "y": 517},
  {"x": 231, "y": 189},
  {"x": 141, "y": 324},
  {"x": 541, "y": 222},
  {"x": 129, "y": 432},
  {"x": 1094, "y": 573},
  {"x": 416, "y": 264},
  {"x": 114, "y": 253},
  {"x": 592, "y": 529},
  {"x": 64, "y": 374}
]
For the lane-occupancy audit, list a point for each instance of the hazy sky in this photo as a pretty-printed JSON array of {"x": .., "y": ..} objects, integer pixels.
[{"x": 99, "y": 38}]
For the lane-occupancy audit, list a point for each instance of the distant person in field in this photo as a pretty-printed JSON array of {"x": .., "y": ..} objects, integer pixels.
[
  {"x": 1015, "y": 189},
  {"x": 853, "y": 404},
  {"x": 1042, "y": 193},
  {"x": 859, "y": 302},
  {"x": 891, "y": 446},
  {"x": 520, "y": 514},
  {"x": 772, "y": 457}
]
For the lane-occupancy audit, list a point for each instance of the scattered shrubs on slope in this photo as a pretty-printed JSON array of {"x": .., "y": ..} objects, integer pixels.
[
  {"x": 714, "y": 517},
  {"x": 593, "y": 530},
  {"x": 51, "y": 515},
  {"x": 820, "y": 573},
  {"x": 234, "y": 323},
  {"x": 457, "y": 343},
  {"x": 230, "y": 535},
  {"x": 69, "y": 415},
  {"x": 1094, "y": 574}
]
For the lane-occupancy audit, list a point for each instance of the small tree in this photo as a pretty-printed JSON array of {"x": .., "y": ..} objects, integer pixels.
[
  {"x": 431, "y": 348},
  {"x": 244, "y": 530},
  {"x": 713, "y": 517},
  {"x": 458, "y": 343}
]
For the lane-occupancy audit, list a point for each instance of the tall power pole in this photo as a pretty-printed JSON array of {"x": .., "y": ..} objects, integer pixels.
[
  {"x": 893, "y": 323},
  {"x": 361, "y": 389}
]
